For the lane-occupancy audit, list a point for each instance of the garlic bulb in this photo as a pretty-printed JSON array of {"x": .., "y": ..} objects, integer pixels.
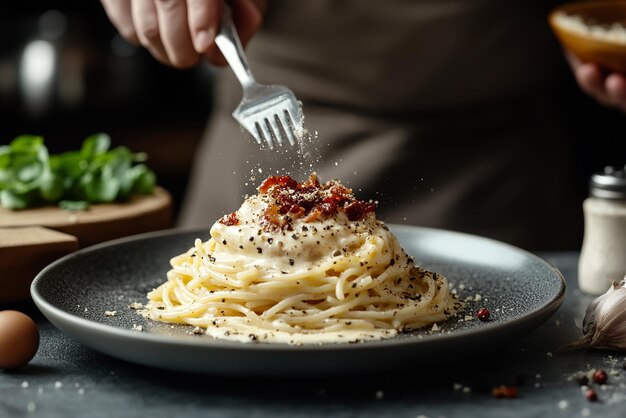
[{"x": 604, "y": 325}]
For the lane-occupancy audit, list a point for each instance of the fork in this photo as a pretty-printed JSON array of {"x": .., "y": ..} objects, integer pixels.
[{"x": 270, "y": 113}]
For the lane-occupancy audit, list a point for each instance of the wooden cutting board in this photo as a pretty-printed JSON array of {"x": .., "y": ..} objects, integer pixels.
[{"x": 31, "y": 239}]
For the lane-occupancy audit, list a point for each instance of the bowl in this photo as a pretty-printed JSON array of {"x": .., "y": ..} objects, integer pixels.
[{"x": 594, "y": 31}]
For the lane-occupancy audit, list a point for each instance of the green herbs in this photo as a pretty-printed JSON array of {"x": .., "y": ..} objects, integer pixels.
[{"x": 29, "y": 176}]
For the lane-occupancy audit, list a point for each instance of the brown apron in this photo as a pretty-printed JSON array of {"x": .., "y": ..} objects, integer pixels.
[{"x": 441, "y": 110}]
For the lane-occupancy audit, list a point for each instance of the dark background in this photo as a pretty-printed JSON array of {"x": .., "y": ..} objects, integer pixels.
[{"x": 100, "y": 83}]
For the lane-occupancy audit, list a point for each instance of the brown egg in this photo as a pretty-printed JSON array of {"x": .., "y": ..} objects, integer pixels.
[{"x": 19, "y": 339}]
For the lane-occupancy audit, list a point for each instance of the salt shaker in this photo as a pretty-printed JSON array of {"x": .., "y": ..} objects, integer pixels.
[{"x": 603, "y": 254}]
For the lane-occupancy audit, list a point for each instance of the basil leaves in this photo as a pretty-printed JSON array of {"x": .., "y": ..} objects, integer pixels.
[{"x": 29, "y": 176}]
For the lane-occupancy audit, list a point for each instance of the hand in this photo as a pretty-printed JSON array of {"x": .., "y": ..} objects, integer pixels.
[
  {"x": 609, "y": 90},
  {"x": 180, "y": 32}
]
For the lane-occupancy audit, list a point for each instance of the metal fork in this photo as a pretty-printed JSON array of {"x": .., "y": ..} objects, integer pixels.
[{"x": 271, "y": 114}]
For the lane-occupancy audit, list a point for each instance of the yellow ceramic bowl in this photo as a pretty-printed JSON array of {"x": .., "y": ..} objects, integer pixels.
[{"x": 600, "y": 47}]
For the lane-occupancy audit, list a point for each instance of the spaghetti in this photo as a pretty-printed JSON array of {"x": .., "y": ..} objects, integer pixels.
[{"x": 301, "y": 263}]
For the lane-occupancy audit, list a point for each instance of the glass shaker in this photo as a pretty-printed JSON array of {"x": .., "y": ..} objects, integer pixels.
[{"x": 603, "y": 254}]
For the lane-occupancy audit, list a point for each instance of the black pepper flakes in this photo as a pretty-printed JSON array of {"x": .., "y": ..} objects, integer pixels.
[
  {"x": 582, "y": 379},
  {"x": 259, "y": 250}
]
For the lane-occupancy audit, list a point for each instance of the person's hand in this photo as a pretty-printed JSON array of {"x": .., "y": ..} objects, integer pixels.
[
  {"x": 179, "y": 32},
  {"x": 606, "y": 89}
]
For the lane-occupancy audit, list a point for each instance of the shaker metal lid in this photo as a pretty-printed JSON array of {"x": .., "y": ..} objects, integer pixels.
[{"x": 610, "y": 184}]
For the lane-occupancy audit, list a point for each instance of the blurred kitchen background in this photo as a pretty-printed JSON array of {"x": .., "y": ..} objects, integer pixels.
[{"x": 65, "y": 73}]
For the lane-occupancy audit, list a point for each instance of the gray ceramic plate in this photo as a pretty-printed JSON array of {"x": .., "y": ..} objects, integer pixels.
[{"x": 520, "y": 289}]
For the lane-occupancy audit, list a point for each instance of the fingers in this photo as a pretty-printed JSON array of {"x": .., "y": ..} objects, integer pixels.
[
  {"x": 591, "y": 81},
  {"x": 174, "y": 31},
  {"x": 615, "y": 86},
  {"x": 204, "y": 20},
  {"x": 608, "y": 90},
  {"x": 247, "y": 17},
  {"x": 177, "y": 32},
  {"x": 119, "y": 12},
  {"x": 144, "y": 16}
]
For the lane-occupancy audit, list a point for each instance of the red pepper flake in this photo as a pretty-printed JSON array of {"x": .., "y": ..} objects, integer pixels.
[
  {"x": 483, "y": 314},
  {"x": 504, "y": 392},
  {"x": 591, "y": 395},
  {"x": 600, "y": 377},
  {"x": 230, "y": 219}
]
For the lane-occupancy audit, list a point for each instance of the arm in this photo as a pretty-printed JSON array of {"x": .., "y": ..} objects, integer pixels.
[{"x": 180, "y": 32}]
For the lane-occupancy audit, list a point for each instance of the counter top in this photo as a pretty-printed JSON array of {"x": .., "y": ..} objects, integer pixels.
[{"x": 67, "y": 379}]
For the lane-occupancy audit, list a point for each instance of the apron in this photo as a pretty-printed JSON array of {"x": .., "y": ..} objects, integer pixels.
[{"x": 440, "y": 110}]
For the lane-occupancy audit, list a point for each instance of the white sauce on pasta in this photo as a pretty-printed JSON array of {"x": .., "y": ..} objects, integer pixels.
[{"x": 328, "y": 280}]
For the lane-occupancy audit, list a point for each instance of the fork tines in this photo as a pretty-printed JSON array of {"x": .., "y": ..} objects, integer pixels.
[
  {"x": 271, "y": 114},
  {"x": 273, "y": 129}
]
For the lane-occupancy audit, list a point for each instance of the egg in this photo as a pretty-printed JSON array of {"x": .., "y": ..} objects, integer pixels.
[{"x": 19, "y": 339}]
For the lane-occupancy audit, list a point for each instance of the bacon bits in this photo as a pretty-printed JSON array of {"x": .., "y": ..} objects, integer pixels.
[{"x": 309, "y": 200}]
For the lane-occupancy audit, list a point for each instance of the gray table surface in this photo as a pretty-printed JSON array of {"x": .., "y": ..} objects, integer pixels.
[{"x": 67, "y": 379}]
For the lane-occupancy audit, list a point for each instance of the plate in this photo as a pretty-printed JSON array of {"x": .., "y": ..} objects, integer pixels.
[{"x": 521, "y": 290}]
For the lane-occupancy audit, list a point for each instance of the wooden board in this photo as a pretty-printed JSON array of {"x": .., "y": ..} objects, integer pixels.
[
  {"x": 32, "y": 238},
  {"x": 101, "y": 222},
  {"x": 24, "y": 252}
]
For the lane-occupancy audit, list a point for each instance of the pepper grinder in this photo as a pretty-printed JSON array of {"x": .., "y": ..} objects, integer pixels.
[{"x": 603, "y": 254}]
